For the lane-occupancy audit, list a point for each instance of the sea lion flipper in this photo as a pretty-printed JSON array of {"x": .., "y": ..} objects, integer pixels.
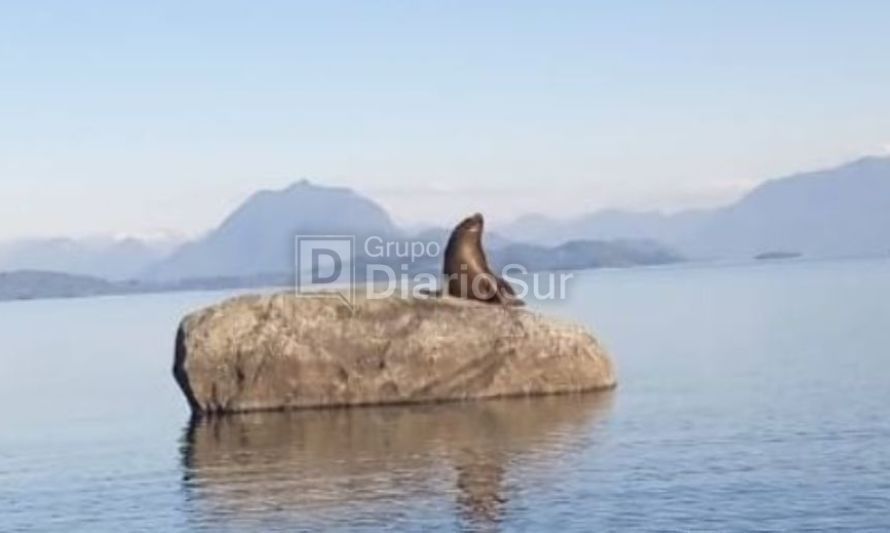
[
  {"x": 506, "y": 287},
  {"x": 435, "y": 293},
  {"x": 488, "y": 287},
  {"x": 507, "y": 295}
]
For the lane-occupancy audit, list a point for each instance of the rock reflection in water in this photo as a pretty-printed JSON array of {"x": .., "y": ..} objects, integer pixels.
[{"x": 421, "y": 466}]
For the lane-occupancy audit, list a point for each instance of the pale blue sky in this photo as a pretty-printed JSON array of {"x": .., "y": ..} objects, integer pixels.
[{"x": 132, "y": 117}]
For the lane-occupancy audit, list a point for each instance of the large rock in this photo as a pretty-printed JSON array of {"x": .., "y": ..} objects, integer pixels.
[{"x": 284, "y": 351}]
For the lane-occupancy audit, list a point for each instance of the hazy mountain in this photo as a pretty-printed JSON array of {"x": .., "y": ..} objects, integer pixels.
[
  {"x": 607, "y": 224},
  {"x": 835, "y": 212},
  {"x": 28, "y": 284},
  {"x": 258, "y": 237},
  {"x": 572, "y": 255},
  {"x": 583, "y": 254},
  {"x": 254, "y": 247},
  {"x": 105, "y": 258}
]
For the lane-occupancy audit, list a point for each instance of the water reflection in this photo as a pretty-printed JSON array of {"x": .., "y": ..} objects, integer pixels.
[{"x": 424, "y": 466}]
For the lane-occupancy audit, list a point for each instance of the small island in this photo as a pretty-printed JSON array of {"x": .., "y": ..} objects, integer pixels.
[{"x": 776, "y": 255}]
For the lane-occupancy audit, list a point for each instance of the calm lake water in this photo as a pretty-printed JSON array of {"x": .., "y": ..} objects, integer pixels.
[{"x": 751, "y": 398}]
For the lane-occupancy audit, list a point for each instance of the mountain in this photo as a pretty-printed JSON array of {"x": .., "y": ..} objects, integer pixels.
[
  {"x": 837, "y": 212},
  {"x": 609, "y": 224},
  {"x": 575, "y": 255},
  {"x": 100, "y": 257},
  {"x": 583, "y": 254},
  {"x": 254, "y": 246},
  {"x": 841, "y": 211},
  {"x": 258, "y": 237},
  {"x": 29, "y": 284}
]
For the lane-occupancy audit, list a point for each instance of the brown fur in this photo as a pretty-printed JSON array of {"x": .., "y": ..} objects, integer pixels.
[{"x": 467, "y": 274}]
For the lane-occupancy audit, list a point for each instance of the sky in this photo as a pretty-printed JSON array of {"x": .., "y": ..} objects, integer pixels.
[{"x": 145, "y": 118}]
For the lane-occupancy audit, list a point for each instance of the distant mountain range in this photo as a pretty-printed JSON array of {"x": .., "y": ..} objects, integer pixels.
[
  {"x": 36, "y": 284},
  {"x": 574, "y": 255},
  {"x": 258, "y": 239},
  {"x": 110, "y": 258},
  {"x": 583, "y": 254},
  {"x": 30, "y": 284},
  {"x": 843, "y": 211}
]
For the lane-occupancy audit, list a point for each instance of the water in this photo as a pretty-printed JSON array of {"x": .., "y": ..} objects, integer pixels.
[{"x": 751, "y": 398}]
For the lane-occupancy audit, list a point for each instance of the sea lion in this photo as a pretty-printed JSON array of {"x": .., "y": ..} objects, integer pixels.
[{"x": 467, "y": 274}]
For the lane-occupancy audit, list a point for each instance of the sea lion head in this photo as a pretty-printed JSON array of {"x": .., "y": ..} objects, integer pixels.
[{"x": 472, "y": 224}]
